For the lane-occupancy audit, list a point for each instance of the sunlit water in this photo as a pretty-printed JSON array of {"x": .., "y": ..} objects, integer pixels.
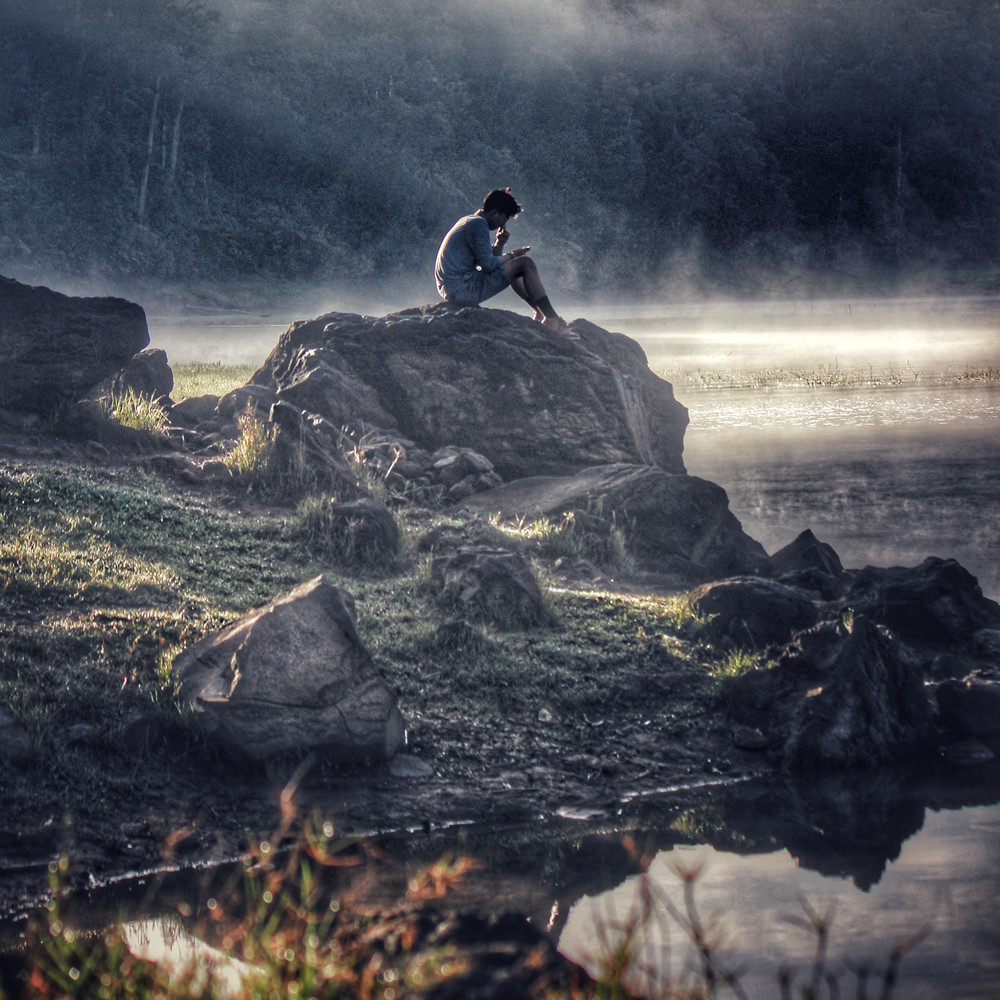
[{"x": 946, "y": 879}]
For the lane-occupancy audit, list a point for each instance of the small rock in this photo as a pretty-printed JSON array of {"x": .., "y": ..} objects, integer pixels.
[
  {"x": 405, "y": 765},
  {"x": 544, "y": 715},
  {"x": 192, "y": 410},
  {"x": 462, "y": 490},
  {"x": 747, "y": 738}
]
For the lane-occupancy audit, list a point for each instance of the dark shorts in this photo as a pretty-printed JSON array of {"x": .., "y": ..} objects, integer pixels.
[{"x": 478, "y": 287}]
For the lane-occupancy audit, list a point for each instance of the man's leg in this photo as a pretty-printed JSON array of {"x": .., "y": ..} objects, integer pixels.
[
  {"x": 526, "y": 283},
  {"x": 517, "y": 284}
]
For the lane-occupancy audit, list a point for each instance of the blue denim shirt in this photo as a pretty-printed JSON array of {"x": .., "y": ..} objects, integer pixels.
[{"x": 466, "y": 247}]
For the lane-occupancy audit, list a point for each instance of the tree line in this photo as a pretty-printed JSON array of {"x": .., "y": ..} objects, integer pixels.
[{"x": 658, "y": 145}]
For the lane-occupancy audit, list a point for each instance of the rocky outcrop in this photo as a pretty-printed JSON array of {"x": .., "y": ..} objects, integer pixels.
[
  {"x": 486, "y": 379},
  {"x": 938, "y": 603},
  {"x": 871, "y": 708},
  {"x": 810, "y": 564},
  {"x": 671, "y": 523},
  {"x": 293, "y": 675},
  {"x": 55, "y": 347},
  {"x": 837, "y": 697},
  {"x": 754, "y": 613}
]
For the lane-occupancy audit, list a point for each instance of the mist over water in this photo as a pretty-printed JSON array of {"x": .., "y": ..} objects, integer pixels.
[{"x": 895, "y": 459}]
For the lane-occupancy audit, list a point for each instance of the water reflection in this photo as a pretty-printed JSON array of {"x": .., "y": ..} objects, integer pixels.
[
  {"x": 946, "y": 877},
  {"x": 891, "y": 851}
]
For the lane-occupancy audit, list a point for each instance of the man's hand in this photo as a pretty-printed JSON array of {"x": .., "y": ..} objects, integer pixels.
[
  {"x": 500, "y": 242},
  {"x": 519, "y": 252}
]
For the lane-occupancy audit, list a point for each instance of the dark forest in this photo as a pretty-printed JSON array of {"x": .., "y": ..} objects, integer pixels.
[{"x": 713, "y": 147}]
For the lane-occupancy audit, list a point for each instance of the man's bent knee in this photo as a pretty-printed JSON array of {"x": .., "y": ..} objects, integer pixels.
[{"x": 517, "y": 266}]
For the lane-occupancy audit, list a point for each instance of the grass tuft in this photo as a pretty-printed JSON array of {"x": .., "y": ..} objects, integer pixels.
[
  {"x": 737, "y": 662},
  {"x": 254, "y": 448},
  {"x": 136, "y": 411}
]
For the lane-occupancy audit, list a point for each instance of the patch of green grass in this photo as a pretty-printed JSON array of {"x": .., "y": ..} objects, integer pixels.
[
  {"x": 735, "y": 663},
  {"x": 105, "y": 573},
  {"x": 252, "y": 453},
  {"x": 136, "y": 411},
  {"x": 212, "y": 378}
]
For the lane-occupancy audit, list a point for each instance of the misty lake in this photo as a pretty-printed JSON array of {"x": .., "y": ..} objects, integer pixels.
[{"x": 892, "y": 454}]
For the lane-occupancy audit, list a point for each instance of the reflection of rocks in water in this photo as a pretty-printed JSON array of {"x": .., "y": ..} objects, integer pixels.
[
  {"x": 846, "y": 827},
  {"x": 836, "y": 825}
]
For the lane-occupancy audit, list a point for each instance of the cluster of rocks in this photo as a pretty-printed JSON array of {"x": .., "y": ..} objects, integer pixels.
[
  {"x": 411, "y": 473},
  {"x": 869, "y": 665},
  {"x": 864, "y": 667}
]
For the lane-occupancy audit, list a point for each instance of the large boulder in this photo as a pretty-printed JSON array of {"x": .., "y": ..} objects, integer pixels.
[
  {"x": 671, "y": 522},
  {"x": 55, "y": 347},
  {"x": 487, "y": 379},
  {"x": 838, "y": 697},
  {"x": 936, "y": 604},
  {"x": 292, "y": 675},
  {"x": 871, "y": 710},
  {"x": 754, "y": 612}
]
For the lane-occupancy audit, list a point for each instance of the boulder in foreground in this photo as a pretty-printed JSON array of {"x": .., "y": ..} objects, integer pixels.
[
  {"x": 55, "y": 347},
  {"x": 291, "y": 676},
  {"x": 485, "y": 379}
]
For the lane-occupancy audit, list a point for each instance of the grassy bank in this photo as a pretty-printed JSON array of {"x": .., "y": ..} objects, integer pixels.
[{"x": 105, "y": 573}]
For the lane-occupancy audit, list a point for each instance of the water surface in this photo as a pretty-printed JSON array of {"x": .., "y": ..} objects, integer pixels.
[{"x": 945, "y": 879}]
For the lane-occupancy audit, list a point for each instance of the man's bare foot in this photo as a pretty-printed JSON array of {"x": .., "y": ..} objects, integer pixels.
[{"x": 560, "y": 327}]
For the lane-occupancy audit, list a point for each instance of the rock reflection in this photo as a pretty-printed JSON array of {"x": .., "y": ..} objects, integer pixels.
[{"x": 885, "y": 859}]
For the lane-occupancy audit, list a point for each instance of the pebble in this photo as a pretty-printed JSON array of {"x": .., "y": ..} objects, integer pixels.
[{"x": 405, "y": 765}]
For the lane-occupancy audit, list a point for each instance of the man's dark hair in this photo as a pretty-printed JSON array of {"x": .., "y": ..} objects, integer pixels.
[{"x": 503, "y": 202}]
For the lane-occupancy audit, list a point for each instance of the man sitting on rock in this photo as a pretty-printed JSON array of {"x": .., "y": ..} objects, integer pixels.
[{"x": 470, "y": 269}]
